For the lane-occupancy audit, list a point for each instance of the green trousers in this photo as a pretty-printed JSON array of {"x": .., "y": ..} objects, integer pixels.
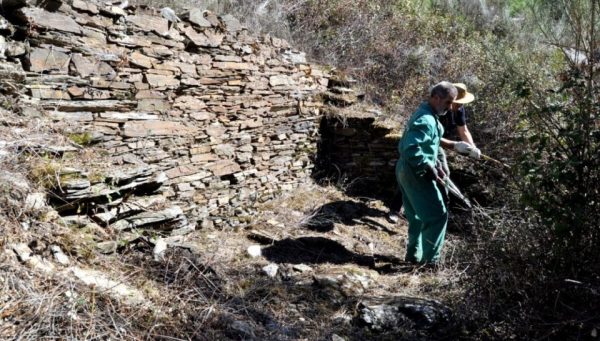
[{"x": 426, "y": 213}]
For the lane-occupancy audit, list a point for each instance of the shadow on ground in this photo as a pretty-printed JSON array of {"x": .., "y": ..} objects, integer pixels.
[
  {"x": 346, "y": 212},
  {"x": 313, "y": 250},
  {"x": 319, "y": 250}
]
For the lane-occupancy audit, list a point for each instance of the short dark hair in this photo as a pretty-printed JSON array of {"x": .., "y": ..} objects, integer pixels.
[{"x": 443, "y": 89}]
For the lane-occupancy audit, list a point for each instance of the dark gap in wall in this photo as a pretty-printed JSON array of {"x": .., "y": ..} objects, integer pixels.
[{"x": 355, "y": 155}]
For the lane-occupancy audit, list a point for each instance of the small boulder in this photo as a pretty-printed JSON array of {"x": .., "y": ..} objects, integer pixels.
[
  {"x": 254, "y": 251},
  {"x": 59, "y": 255},
  {"x": 271, "y": 270}
]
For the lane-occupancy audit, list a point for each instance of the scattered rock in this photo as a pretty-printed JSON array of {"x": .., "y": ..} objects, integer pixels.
[
  {"x": 160, "y": 246},
  {"x": 26, "y": 256},
  {"x": 302, "y": 268},
  {"x": 22, "y": 251},
  {"x": 349, "y": 281},
  {"x": 254, "y": 251},
  {"x": 59, "y": 256},
  {"x": 35, "y": 201},
  {"x": 243, "y": 329},
  {"x": 403, "y": 313},
  {"x": 107, "y": 247},
  {"x": 335, "y": 337},
  {"x": 101, "y": 281},
  {"x": 271, "y": 270},
  {"x": 75, "y": 221},
  {"x": 14, "y": 189}
]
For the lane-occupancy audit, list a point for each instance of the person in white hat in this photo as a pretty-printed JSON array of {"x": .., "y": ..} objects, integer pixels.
[
  {"x": 455, "y": 128},
  {"x": 455, "y": 121}
]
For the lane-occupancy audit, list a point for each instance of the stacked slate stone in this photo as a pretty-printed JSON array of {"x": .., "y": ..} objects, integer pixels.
[
  {"x": 231, "y": 119},
  {"x": 356, "y": 142}
]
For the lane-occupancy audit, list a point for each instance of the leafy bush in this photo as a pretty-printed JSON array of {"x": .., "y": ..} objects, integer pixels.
[
  {"x": 560, "y": 168},
  {"x": 538, "y": 267}
]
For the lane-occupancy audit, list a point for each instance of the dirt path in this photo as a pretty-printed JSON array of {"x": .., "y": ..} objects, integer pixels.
[
  {"x": 312, "y": 265},
  {"x": 323, "y": 258}
]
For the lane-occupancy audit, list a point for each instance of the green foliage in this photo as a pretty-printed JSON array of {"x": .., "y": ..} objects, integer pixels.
[
  {"x": 561, "y": 138},
  {"x": 560, "y": 167},
  {"x": 82, "y": 139},
  {"x": 550, "y": 240}
]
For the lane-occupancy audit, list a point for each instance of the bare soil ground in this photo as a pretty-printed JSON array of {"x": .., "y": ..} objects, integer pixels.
[{"x": 331, "y": 251}]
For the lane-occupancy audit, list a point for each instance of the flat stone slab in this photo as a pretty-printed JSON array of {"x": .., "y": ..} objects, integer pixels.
[
  {"x": 281, "y": 80},
  {"x": 206, "y": 38},
  {"x": 224, "y": 167},
  {"x": 42, "y": 60},
  {"x": 232, "y": 24},
  {"x": 86, "y": 66},
  {"x": 167, "y": 219},
  {"x": 101, "y": 281},
  {"x": 149, "y": 23},
  {"x": 189, "y": 103},
  {"x": 126, "y": 116},
  {"x": 196, "y": 16},
  {"x": 139, "y": 59},
  {"x": 235, "y": 66},
  {"x": 85, "y": 6},
  {"x": 40, "y": 18},
  {"x": 162, "y": 81},
  {"x": 156, "y": 128},
  {"x": 91, "y": 106}
]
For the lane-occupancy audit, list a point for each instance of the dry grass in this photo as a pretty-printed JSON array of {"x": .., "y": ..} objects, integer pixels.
[{"x": 211, "y": 289}]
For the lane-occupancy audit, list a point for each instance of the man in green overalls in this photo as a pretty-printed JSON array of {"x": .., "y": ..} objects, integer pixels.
[{"x": 417, "y": 172}]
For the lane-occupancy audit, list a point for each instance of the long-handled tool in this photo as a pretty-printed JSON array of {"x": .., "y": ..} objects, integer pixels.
[
  {"x": 489, "y": 158},
  {"x": 456, "y": 192}
]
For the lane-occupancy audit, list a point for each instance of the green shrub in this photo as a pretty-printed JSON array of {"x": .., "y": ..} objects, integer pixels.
[
  {"x": 538, "y": 266},
  {"x": 560, "y": 170},
  {"x": 82, "y": 139}
]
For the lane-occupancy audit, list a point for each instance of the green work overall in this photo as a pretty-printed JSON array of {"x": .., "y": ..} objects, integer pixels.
[{"x": 424, "y": 206}]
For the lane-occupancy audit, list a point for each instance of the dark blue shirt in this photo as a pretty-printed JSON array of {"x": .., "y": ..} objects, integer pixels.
[{"x": 452, "y": 120}]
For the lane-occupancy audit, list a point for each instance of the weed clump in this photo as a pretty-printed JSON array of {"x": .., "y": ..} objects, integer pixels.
[{"x": 82, "y": 139}]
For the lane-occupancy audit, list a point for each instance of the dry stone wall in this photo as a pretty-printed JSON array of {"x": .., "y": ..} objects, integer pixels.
[
  {"x": 229, "y": 118},
  {"x": 358, "y": 152},
  {"x": 358, "y": 144}
]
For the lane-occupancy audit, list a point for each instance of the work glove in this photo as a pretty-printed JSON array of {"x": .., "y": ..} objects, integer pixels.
[
  {"x": 466, "y": 149},
  {"x": 475, "y": 153}
]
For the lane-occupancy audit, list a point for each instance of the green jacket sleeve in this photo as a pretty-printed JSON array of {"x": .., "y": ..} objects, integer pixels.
[{"x": 417, "y": 147}]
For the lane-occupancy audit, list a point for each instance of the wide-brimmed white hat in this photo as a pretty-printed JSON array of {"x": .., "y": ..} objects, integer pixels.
[{"x": 464, "y": 96}]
